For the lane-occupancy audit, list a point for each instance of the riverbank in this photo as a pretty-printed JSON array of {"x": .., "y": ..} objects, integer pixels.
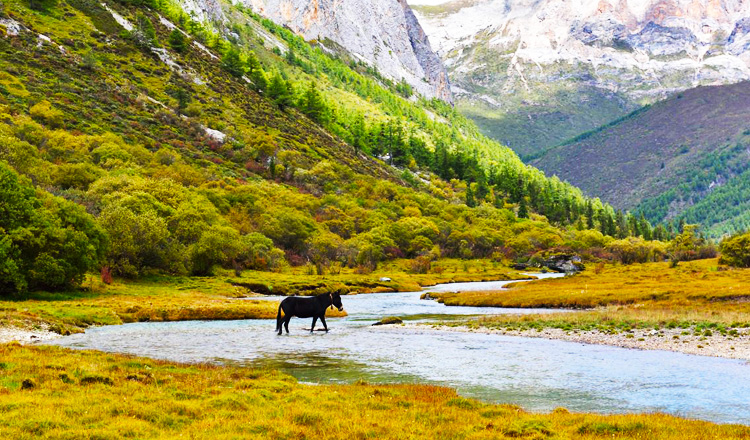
[
  {"x": 678, "y": 340},
  {"x": 179, "y": 298},
  {"x": 114, "y": 396},
  {"x": 698, "y": 307},
  {"x": 27, "y": 336}
]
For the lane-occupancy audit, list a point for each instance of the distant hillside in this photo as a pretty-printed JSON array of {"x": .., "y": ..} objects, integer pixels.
[
  {"x": 535, "y": 73},
  {"x": 683, "y": 158}
]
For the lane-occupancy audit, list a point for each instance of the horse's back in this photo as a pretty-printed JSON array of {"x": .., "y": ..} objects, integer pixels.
[{"x": 300, "y": 307}]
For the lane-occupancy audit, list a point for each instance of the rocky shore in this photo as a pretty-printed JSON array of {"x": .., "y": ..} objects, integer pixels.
[
  {"x": 679, "y": 340},
  {"x": 26, "y": 336}
]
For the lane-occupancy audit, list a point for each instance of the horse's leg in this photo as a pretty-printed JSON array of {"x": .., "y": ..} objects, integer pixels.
[
  {"x": 279, "y": 320},
  {"x": 312, "y": 327},
  {"x": 323, "y": 320},
  {"x": 286, "y": 323}
]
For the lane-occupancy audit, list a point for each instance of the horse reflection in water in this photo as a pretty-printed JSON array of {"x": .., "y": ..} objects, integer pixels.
[{"x": 310, "y": 307}]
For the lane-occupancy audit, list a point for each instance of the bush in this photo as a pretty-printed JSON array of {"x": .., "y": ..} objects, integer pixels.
[
  {"x": 636, "y": 250},
  {"x": 689, "y": 246},
  {"x": 177, "y": 41},
  {"x": 45, "y": 242},
  {"x": 46, "y": 114},
  {"x": 735, "y": 250},
  {"x": 138, "y": 242},
  {"x": 217, "y": 246}
]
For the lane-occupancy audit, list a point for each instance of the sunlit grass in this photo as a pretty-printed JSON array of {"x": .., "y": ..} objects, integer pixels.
[
  {"x": 698, "y": 293},
  {"x": 49, "y": 392},
  {"x": 174, "y": 298}
]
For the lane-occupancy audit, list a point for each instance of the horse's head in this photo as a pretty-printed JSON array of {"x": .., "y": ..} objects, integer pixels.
[{"x": 336, "y": 301}]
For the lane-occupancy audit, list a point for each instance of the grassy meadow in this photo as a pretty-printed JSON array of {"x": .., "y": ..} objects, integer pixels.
[
  {"x": 49, "y": 392},
  {"x": 698, "y": 294}
]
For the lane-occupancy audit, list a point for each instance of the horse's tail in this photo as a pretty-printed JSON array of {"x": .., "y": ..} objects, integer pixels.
[{"x": 278, "y": 319}]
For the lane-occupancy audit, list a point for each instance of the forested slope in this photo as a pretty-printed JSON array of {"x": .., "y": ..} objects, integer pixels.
[
  {"x": 684, "y": 159},
  {"x": 194, "y": 145}
]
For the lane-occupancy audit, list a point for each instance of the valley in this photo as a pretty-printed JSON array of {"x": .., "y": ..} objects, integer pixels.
[
  {"x": 540, "y": 235},
  {"x": 535, "y": 74}
]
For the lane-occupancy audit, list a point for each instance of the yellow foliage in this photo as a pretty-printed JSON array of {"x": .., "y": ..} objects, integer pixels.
[
  {"x": 46, "y": 114},
  {"x": 13, "y": 85}
]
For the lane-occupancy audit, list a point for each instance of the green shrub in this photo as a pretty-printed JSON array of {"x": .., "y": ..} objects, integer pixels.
[
  {"x": 46, "y": 114},
  {"x": 735, "y": 250},
  {"x": 45, "y": 242}
]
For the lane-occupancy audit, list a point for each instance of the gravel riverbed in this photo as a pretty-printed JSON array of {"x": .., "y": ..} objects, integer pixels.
[
  {"x": 26, "y": 336},
  {"x": 716, "y": 344}
]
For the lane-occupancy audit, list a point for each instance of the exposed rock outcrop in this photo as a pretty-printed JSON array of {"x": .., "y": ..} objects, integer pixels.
[{"x": 383, "y": 33}]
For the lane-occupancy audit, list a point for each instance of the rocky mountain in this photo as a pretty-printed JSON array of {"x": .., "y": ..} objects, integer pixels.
[
  {"x": 533, "y": 73},
  {"x": 687, "y": 157},
  {"x": 384, "y": 34}
]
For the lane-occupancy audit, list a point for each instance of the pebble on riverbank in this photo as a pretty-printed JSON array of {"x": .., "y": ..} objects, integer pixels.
[
  {"x": 25, "y": 336},
  {"x": 716, "y": 345}
]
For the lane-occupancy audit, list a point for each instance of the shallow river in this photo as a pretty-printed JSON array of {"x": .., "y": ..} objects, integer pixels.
[{"x": 537, "y": 374}]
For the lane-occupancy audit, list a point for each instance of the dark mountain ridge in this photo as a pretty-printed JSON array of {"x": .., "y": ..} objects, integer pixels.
[{"x": 682, "y": 158}]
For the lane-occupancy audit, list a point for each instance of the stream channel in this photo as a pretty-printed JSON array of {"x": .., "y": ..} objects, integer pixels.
[{"x": 537, "y": 374}]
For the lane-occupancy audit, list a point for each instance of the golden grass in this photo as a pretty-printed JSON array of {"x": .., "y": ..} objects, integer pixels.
[
  {"x": 217, "y": 298},
  {"x": 196, "y": 299},
  {"x": 698, "y": 293},
  {"x": 49, "y": 392}
]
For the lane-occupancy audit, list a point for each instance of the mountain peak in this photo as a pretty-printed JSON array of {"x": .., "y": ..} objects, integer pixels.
[{"x": 540, "y": 62}]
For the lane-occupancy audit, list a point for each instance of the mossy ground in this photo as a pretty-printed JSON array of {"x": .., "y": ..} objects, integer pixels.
[{"x": 49, "y": 392}]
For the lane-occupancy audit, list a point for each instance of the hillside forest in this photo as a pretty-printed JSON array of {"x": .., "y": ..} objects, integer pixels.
[{"x": 137, "y": 141}]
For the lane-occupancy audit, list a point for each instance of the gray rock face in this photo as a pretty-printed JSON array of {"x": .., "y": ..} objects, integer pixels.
[{"x": 383, "y": 33}]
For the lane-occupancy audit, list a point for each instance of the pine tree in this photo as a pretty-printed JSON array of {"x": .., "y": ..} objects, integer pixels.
[
  {"x": 144, "y": 33},
  {"x": 279, "y": 92},
  {"x": 291, "y": 58},
  {"x": 622, "y": 225},
  {"x": 253, "y": 64},
  {"x": 645, "y": 227},
  {"x": 482, "y": 189},
  {"x": 177, "y": 41},
  {"x": 313, "y": 105},
  {"x": 359, "y": 133},
  {"x": 232, "y": 63},
  {"x": 258, "y": 77},
  {"x": 589, "y": 215}
]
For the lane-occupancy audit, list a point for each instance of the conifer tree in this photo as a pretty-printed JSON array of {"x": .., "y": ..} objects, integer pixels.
[
  {"x": 279, "y": 91},
  {"x": 144, "y": 33},
  {"x": 589, "y": 215},
  {"x": 313, "y": 105},
  {"x": 359, "y": 133},
  {"x": 177, "y": 41},
  {"x": 482, "y": 188},
  {"x": 232, "y": 63},
  {"x": 523, "y": 211},
  {"x": 253, "y": 64}
]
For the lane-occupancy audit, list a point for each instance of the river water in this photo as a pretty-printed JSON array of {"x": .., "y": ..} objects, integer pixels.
[{"x": 537, "y": 374}]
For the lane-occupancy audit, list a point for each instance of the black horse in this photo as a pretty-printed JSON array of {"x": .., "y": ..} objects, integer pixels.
[{"x": 311, "y": 307}]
